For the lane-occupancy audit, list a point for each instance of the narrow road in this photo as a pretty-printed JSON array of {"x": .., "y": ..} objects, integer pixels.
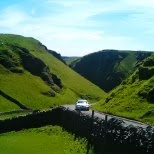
[{"x": 102, "y": 116}]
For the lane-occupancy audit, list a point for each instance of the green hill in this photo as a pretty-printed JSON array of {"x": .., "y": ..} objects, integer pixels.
[
  {"x": 108, "y": 68},
  {"x": 30, "y": 74},
  {"x": 134, "y": 98}
]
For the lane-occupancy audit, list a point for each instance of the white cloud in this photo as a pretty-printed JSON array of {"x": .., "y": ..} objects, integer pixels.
[
  {"x": 141, "y": 3},
  {"x": 11, "y": 16},
  {"x": 71, "y": 30},
  {"x": 68, "y": 3},
  {"x": 70, "y": 35}
]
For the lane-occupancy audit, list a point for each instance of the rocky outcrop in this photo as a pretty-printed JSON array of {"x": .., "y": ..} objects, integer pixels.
[
  {"x": 149, "y": 62},
  {"x": 150, "y": 96},
  {"x": 145, "y": 73},
  {"x": 20, "y": 56},
  {"x": 10, "y": 61}
]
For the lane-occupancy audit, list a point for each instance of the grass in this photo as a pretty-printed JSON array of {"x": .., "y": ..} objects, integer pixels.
[
  {"x": 12, "y": 115},
  {"x": 28, "y": 88},
  {"x": 127, "y": 65},
  {"x": 44, "y": 140},
  {"x": 6, "y": 105},
  {"x": 28, "y": 91},
  {"x": 72, "y": 80},
  {"x": 125, "y": 101},
  {"x": 150, "y": 119}
]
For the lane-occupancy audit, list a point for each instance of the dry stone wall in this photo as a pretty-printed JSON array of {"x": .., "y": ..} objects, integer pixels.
[{"x": 112, "y": 136}]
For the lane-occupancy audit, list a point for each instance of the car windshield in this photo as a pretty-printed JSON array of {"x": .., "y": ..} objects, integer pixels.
[{"x": 81, "y": 102}]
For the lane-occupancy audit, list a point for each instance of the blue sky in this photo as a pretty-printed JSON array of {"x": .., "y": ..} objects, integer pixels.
[{"x": 79, "y": 27}]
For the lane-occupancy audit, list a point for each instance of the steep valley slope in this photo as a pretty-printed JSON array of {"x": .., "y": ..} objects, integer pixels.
[
  {"x": 134, "y": 98},
  {"x": 37, "y": 78},
  {"x": 108, "y": 68}
]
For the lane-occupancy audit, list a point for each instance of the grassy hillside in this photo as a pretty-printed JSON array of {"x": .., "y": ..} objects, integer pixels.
[
  {"x": 30, "y": 74},
  {"x": 6, "y": 105},
  {"x": 108, "y": 68},
  {"x": 134, "y": 98},
  {"x": 44, "y": 140}
]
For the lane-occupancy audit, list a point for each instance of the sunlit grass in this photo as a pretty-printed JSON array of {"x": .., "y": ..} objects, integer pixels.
[
  {"x": 6, "y": 105},
  {"x": 44, "y": 140},
  {"x": 126, "y": 102},
  {"x": 28, "y": 88}
]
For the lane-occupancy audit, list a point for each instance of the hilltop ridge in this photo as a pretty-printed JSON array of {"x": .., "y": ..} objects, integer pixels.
[{"x": 108, "y": 68}]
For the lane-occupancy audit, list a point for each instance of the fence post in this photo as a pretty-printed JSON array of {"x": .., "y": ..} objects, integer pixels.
[
  {"x": 78, "y": 121},
  {"x": 92, "y": 119},
  {"x": 90, "y": 132},
  {"x": 105, "y": 129}
]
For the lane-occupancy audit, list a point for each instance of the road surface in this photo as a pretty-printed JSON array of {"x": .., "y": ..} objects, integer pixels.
[{"x": 102, "y": 116}]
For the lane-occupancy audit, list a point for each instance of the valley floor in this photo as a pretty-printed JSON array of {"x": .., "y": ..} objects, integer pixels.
[{"x": 44, "y": 140}]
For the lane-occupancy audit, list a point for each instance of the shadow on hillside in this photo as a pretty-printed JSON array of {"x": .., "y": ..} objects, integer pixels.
[{"x": 13, "y": 100}]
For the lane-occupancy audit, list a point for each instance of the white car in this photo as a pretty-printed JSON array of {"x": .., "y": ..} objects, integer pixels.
[{"x": 82, "y": 105}]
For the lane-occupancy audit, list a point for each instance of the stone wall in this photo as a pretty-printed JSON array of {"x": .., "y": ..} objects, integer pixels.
[{"x": 109, "y": 137}]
